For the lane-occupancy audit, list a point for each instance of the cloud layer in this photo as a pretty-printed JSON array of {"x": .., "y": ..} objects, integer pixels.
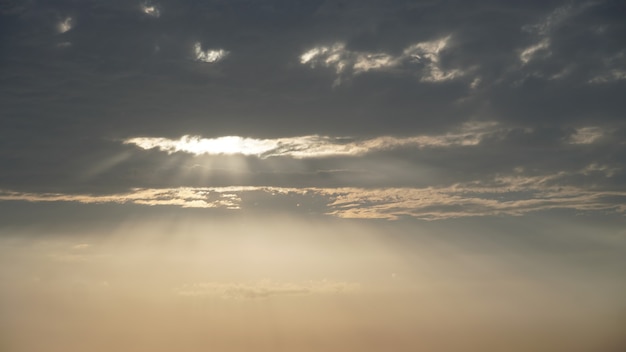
[
  {"x": 95, "y": 98},
  {"x": 505, "y": 195}
]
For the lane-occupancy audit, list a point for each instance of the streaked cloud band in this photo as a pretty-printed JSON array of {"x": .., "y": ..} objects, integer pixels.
[
  {"x": 313, "y": 146},
  {"x": 505, "y": 195}
]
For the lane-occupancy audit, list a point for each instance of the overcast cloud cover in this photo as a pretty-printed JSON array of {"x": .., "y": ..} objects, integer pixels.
[
  {"x": 397, "y": 111},
  {"x": 81, "y": 77}
]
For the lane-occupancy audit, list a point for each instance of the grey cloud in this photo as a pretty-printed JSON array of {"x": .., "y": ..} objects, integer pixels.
[{"x": 121, "y": 73}]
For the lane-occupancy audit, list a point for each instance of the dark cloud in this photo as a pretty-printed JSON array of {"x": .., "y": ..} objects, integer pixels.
[{"x": 78, "y": 78}]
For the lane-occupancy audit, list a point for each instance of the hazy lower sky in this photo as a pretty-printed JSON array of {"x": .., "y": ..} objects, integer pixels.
[{"x": 310, "y": 175}]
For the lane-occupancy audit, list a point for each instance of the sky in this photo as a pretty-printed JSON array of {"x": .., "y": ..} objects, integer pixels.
[{"x": 310, "y": 175}]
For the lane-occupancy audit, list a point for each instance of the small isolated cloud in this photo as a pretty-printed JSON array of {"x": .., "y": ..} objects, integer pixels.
[
  {"x": 315, "y": 146},
  {"x": 265, "y": 289},
  {"x": 150, "y": 9},
  {"x": 209, "y": 55},
  {"x": 65, "y": 25},
  {"x": 425, "y": 55},
  {"x": 81, "y": 246}
]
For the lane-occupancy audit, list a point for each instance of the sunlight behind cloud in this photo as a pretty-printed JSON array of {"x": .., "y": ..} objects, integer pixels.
[{"x": 314, "y": 146}]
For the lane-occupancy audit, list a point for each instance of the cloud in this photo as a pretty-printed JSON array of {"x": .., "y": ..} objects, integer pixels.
[
  {"x": 185, "y": 197},
  {"x": 527, "y": 54},
  {"x": 466, "y": 201},
  {"x": 315, "y": 146},
  {"x": 586, "y": 135},
  {"x": 150, "y": 9},
  {"x": 511, "y": 195},
  {"x": 555, "y": 18},
  {"x": 424, "y": 55},
  {"x": 65, "y": 25},
  {"x": 548, "y": 40},
  {"x": 543, "y": 30},
  {"x": 209, "y": 55},
  {"x": 393, "y": 129},
  {"x": 265, "y": 289},
  {"x": 614, "y": 69}
]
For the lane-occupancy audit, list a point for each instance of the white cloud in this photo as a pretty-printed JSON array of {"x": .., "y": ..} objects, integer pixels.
[
  {"x": 425, "y": 55},
  {"x": 210, "y": 55},
  {"x": 150, "y": 9},
  {"x": 315, "y": 146},
  {"x": 65, "y": 25},
  {"x": 265, "y": 289}
]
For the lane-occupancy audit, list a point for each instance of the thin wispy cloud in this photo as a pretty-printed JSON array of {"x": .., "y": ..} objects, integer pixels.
[
  {"x": 150, "y": 9},
  {"x": 543, "y": 30},
  {"x": 587, "y": 135},
  {"x": 511, "y": 195},
  {"x": 613, "y": 69},
  {"x": 423, "y": 57}
]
